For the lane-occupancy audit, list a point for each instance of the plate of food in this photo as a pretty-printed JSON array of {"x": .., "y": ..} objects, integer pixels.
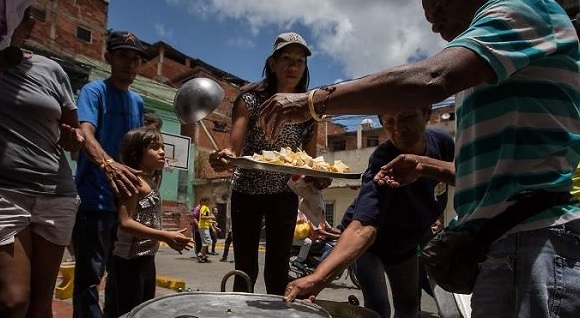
[{"x": 291, "y": 162}]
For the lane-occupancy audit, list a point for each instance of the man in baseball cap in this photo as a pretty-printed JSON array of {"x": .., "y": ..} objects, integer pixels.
[
  {"x": 290, "y": 38},
  {"x": 107, "y": 110},
  {"x": 125, "y": 40}
]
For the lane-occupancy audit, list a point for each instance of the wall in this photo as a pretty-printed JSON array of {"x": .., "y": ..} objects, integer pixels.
[{"x": 57, "y": 32}]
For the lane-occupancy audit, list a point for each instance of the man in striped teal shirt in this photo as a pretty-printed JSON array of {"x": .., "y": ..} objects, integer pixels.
[{"x": 514, "y": 65}]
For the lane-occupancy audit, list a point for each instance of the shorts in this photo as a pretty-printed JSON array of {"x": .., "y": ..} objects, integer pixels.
[
  {"x": 51, "y": 217},
  {"x": 205, "y": 237}
]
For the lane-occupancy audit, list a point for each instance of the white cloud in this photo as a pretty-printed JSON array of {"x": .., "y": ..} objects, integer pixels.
[
  {"x": 362, "y": 35},
  {"x": 240, "y": 42},
  {"x": 162, "y": 31}
]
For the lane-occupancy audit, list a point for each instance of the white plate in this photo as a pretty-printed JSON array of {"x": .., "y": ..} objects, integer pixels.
[{"x": 249, "y": 163}]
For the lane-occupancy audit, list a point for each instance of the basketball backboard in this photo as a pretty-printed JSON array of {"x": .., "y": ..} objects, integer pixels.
[{"x": 177, "y": 149}]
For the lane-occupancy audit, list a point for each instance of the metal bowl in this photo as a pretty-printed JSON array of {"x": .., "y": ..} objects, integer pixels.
[{"x": 196, "y": 99}]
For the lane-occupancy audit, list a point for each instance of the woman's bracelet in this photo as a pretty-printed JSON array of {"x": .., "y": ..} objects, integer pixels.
[
  {"x": 313, "y": 113},
  {"x": 106, "y": 162}
]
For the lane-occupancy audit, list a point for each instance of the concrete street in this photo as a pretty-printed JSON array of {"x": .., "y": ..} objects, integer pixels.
[{"x": 208, "y": 276}]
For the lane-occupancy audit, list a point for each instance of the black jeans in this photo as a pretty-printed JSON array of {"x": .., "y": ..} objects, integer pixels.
[
  {"x": 227, "y": 243},
  {"x": 279, "y": 211},
  {"x": 197, "y": 241},
  {"x": 134, "y": 281},
  {"x": 213, "y": 236}
]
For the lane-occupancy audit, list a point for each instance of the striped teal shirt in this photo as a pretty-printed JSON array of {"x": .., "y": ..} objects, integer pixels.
[{"x": 522, "y": 130}]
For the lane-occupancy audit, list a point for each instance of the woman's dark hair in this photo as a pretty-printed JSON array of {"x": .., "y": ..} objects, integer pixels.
[
  {"x": 135, "y": 143},
  {"x": 269, "y": 82}
]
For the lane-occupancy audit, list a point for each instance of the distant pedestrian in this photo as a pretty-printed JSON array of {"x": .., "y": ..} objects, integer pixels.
[
  {"x": 227, "y": 244},
  {"x": 204, "y": 224},
  {"x": 194, "y": 229},
  {"x": 214, "y": 230}
]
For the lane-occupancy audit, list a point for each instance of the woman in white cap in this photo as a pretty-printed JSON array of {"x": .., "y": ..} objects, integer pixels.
[{"x": 262, "y": 194}]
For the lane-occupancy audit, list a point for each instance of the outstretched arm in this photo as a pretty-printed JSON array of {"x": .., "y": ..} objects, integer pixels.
[
  {"x": 175, "y": 239},
  {"x": 353, "y": 242}
]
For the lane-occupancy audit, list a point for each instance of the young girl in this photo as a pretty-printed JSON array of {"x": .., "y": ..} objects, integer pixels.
[{"x": 140, "y": 227}]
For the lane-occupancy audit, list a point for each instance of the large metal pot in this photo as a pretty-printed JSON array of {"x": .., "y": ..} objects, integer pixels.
[{"x": 225, "y": 305}]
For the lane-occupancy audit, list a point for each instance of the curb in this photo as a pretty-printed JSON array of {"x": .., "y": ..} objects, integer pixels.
[{"x": 174, "y": 283}]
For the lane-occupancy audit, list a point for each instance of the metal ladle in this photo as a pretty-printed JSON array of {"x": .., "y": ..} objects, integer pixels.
[{"x": 196, "y": 99}]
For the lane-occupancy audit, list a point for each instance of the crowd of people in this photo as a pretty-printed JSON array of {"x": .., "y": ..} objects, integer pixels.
[{"x": 513, "y": 65}]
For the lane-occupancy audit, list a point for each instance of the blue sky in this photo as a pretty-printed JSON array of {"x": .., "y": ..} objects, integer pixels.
[{"x": 348, "y": 38}]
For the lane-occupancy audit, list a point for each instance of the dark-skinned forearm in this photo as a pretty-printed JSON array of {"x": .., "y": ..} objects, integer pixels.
[
  {"x": 385, "y": 91},
  {"x": 410, "y": 86},
  {"x": 353, "y": 242},
  {"x": 439, "y": 170},
  {"x": 93, "y": 149}
]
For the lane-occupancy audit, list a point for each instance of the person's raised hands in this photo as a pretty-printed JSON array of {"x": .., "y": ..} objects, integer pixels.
[
  {"x": 219, "y": 160},
  {"x": 281, "y": 109},
  {"x": 178, "y": 241}
]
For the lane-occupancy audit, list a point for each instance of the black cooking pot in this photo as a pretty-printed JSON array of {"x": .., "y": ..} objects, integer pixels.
[{"x": 345, "y": 310}]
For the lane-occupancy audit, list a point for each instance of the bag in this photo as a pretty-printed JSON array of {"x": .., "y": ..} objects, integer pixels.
[
  {"x": 311, "y": 201},
  {"x": 452, "y": 257},
  {"x": 301, "y": 231}
]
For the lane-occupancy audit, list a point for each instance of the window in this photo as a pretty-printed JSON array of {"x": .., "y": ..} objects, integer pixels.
[
  {"x": 38, "y": 14},
  {"x": 372, "y": 141},
  {"x": 339, "y": 145},
  {"x": 84, "y": 34},
  {"x": 330, "y": 212}
]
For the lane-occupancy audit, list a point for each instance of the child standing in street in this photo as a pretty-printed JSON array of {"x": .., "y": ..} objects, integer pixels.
[
  {"x": 140, "y": 225},
  {"x": 204, "y": 223}
]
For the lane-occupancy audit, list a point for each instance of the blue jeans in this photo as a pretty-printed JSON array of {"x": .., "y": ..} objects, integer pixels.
[
  {"x": 93, "y": 236},
  {"x": 531, "y": 274},
  {"x": 403, "y": 281}
]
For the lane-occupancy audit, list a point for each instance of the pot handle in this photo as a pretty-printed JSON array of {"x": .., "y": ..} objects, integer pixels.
[{"x": 237, "y": 273}]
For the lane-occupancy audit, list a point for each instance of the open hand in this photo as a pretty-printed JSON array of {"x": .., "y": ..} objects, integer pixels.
[
  {"x": 178, "y": 241},
  {"x": 402, "y": 170},
  {"x": 281, "y": 109}
]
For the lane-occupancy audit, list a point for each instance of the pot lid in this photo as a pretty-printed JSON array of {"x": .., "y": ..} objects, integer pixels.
[{"x": 225, "y": 305}]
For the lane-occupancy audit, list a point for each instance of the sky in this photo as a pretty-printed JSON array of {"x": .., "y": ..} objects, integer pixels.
[{"x": 348, "y": 38}]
